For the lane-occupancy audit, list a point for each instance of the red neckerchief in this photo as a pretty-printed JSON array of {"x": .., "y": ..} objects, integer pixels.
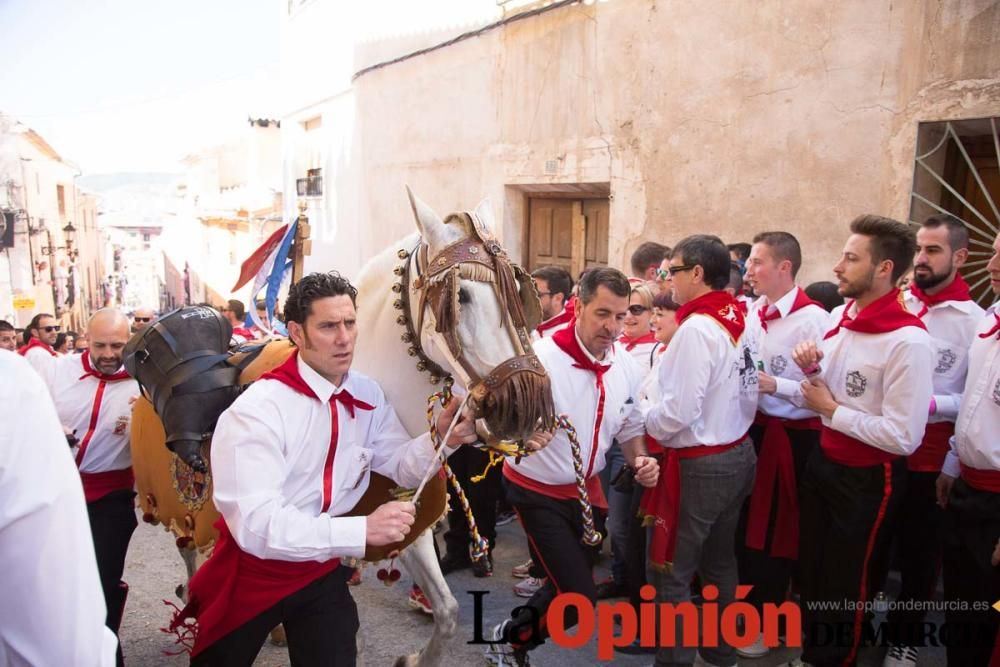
[
  {"x": 567, "y": 342},
  {"x": 882, "y": 315},
  {"x": 630, "y": 343},
  {"x": 994, "y": 330},
  {"x": 89, "y": 371},
  {"x": 721, "y": 307},
  {"x": 957, "y": 290},
  {"x": 34, "y": 342},
  {"x": 801, "y": 301},
  {"x": 567, "y": 315},
  {"x": 288, "y": 373}
]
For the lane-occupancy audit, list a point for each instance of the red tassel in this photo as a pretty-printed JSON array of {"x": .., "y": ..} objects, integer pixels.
[{"x": 183, "y": 626}]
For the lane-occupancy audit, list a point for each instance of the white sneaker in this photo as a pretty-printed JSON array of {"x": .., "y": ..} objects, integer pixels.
[
  {"x": 900, "y": 656},
  {"x": 755, "y": 650},
  {"x": 500, "y": 654},
  {"x": 527, "y": 587},
  {"x": 523, "y": 570}
]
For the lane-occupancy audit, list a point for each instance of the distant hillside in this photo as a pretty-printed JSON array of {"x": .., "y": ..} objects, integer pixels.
[{"x": 106, "y": 182}]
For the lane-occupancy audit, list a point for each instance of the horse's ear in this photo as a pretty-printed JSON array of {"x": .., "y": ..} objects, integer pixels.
[
  {"x": 483, "y": 217},
  {"x": 429, "y": 223}
]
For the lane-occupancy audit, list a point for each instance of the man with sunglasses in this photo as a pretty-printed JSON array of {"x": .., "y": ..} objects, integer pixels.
[
  {"x": 708, "y": 396},
  {"x": 42, "y": 333},
  {"x": 142, "y": 318}
]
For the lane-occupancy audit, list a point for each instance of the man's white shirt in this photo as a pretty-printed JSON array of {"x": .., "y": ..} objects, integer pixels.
[
  {"x": 951, "y": 326},
  {"x": 977, "y": 430},
  {"x": 707, "y": 387},
  {"x": 575, "y": 393},
  {"x": 268, "y": 455},
  {"x": 52, "y": 609},
  {"x": 75, "y": 395},
  {"x": 882, "y": 383},
  {"x": 775, "y": 348}
]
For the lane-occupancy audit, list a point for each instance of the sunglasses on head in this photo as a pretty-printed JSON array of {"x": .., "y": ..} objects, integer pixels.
[
  {"x": 637, "y": 309},
  {"x": 54, "y": 327},
  {"x": 142, "y": 319}
]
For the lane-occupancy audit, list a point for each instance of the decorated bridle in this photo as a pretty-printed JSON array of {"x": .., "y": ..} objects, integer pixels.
[{"x": 515, "y": 394}]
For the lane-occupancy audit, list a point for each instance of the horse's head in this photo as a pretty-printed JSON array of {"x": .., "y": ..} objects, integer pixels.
[{"x": 472, "y": 309}]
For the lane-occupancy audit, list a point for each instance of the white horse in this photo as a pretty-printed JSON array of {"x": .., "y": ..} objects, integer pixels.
[{"x": 383, "y": 353}]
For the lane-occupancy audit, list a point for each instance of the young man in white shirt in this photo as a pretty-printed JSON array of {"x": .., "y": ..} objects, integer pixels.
[
  {"x": 52, "y": 611},
  {"x": 969, "y": 490},
  {"x": 93, "y": 396},
  {"x": 784, "y": 435},
  {"x": 595, "y": 383},
  {"x": 555, "y": 292},
  {"x": 708, "y": 397},
  {"x": 290, "y": 456},
  {"x": 42, "y": 332},
  {"x": 870, "y": 381},
  {"x": 940, "y": 297}
]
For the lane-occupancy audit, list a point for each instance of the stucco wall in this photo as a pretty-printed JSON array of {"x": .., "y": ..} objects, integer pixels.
[{"x": 730, "y": 117}]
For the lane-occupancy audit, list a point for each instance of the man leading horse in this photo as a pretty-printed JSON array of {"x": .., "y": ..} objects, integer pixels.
[{"x": 290, "y": 456}]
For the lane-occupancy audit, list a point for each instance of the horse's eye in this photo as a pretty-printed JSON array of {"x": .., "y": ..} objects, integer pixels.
[{"x": 463, "y": 296}]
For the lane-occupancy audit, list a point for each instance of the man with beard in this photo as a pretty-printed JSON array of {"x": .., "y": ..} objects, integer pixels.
[
  {"x": 555, "y": 289},
  {"x": 870, "y": 392},
  {"x": 41, "y": 335},
  {"x": 969, "y": 490},
  {"x": 93, "y": 397},
  {"x": 940, "y": 297}
]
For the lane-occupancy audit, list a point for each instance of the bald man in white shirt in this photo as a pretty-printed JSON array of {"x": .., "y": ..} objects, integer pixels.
[{"x": 52, "y": 611}]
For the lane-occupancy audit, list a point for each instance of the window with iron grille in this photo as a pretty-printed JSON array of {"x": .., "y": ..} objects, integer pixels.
[{"x": 957, "y": 171}]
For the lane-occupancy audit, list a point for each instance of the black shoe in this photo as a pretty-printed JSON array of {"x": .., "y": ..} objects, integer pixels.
[
  {"x": 635, "y": 649},
  {"x": 452, "y": 563},
  {"x": 483, "y": 567},
  {"x": 610, "y": 589}
]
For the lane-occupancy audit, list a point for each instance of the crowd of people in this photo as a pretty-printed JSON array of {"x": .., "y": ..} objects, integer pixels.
[{"x": 734, "y": 428}]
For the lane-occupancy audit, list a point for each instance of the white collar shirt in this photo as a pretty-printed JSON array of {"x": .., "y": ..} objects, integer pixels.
[
  {"x": 708, "y": 387},
  {"x": 52, "y": 611},
  {"x": 775, "y": 346},
  {"x": 551, "y": 325},
  {"x": 951, "y": 325},
  {"x": 99, "y": 412},
  {"x": 575, "y": 393},
  {"x": 882, "y": 383},
  {"x": 976, "y": 442},
  {"x": 269, "y": 454}
]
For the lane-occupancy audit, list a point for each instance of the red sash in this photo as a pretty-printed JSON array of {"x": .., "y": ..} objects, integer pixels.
[
  {"x": 983, "y": 480},
  {"x": 660, "y": 505},
  {"x": 33, "y": 343},
  {"x": 96, "y": 485},
  {"x": 558, "y": 491},
  {"x": 847, "y": 451},
  {"x": 929, "y": 456},
  {"x": 775, "y": 464},
  {"x": 233, "y": 587}
]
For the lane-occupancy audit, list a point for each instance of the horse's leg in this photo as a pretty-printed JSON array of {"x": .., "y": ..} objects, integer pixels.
[
  {"x": 191, "y": 564},
  {"x": 421, "y": 562}
]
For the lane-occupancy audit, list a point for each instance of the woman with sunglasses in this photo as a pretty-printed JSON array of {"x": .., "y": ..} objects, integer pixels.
[{"x": 637, "y": 337}]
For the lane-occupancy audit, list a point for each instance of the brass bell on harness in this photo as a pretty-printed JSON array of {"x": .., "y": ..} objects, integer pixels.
[
  {"x": 402, "y": 254},
  {"x": 398, "y": 304},
  {"x": 398, "y": 270},
  {"x": 407, "y": 337},
  {"x": 412, "y": 351},
  {"x": 397, "y": 288},
  {"x": 401, "y": 319},
  {"x": 421, "y": 366},
  {"x": 435, "y": 379}
]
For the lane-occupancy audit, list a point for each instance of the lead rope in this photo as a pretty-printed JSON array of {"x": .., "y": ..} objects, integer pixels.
[{"x": 479, "y": 546}]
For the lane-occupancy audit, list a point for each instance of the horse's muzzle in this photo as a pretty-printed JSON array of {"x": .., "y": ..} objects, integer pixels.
[{"x": 515, "y": 399}]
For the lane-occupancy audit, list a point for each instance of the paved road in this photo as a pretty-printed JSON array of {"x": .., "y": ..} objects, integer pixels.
[{"x": 390, "y": 627}]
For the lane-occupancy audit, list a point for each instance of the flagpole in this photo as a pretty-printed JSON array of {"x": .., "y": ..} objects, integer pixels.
[{"x": 302, "y": 245}]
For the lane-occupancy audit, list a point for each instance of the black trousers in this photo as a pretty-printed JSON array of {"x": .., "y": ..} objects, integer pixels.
[
  {"x": 843, "y": 520},
  {"x": 770, "y": 575},
  {"x": 971, "y": 528},
  {"x": 483, "y": 495},
  {"x": 112, "y": 522},
  {"x": 917, "y": 532},
  {"x": 554, "y": 529},
  {"x": 321, "y": 622}
]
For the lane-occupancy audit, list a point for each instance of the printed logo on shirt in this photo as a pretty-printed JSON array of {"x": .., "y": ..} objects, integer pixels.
[
  {"x": 778, "y": 365},
  {"x": 748, "y": 372},
  {"x": 728, "y": 312},
  {"x": 946, "y": 359},
  {"x": 996, "y": 393},
  {"x": 121, "y": 425},
  {"x": 856, "y": 384}
]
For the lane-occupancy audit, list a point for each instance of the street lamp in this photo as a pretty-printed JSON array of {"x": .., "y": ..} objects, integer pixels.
[{"x": 69, "y": 233}]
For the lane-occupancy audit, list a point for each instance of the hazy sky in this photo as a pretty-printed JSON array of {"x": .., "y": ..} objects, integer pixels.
[{"x": 134, "y": 85}]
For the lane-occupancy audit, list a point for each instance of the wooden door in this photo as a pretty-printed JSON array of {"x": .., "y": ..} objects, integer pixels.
[{"x": 571, "y": 233}]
